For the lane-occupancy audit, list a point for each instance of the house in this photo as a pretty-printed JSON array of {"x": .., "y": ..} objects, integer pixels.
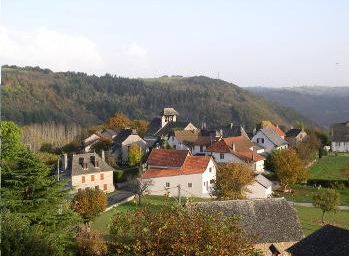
[
  {"x": 275, "y": 128},
  {"x": 340, "y": 137},
  {"x": 191, "y": 140},
  {"x": 178, "y": 171},
  {"x": 160, "y": 127},
  {"x": 104, "y": 135},
  {"x": 295, "y": 136},
  {"x": 260, "y": 188},
  {"x": 122, "y": 143},
  {"x": 269, "y": 139},
  {"x": 272, "y": 223},
  {"x": 326, "y": 241},
  {"x": 237, "y": 150},
  {"x": 232, "y": 130},
  {"x": 89, "y": 170}
]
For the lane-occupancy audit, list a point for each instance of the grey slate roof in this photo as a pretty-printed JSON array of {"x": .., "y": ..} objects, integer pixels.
[
  {"x": 268, "y": 220},
  {"x": 154, "y": 126},
  {"x": 293, "y": 132},
  {"x": 327, "y": 241},
  {"x": 340, "y": 132},
  {"x": 170, "y": 126},
  {"x": 232, "y": 130},
  {"x": 77, "y": 168},
  {"x": 169, "y": 112},
  {"x": 263, "y": 181},
  {"x": 273, "y": 136}
]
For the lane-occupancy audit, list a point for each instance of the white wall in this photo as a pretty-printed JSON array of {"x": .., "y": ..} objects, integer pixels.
[
  {"x": 340, "y": 146},
  {"x": 267, "y": 145},
  {"x": 259, "y": 166},
  {"x": 198, "y": 188},
  {"x": 256, "y": 190},
  {"x": 76, "y": 181}
]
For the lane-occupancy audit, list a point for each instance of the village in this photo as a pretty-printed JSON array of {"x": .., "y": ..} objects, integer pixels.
[{"x": 227, "y": 169}]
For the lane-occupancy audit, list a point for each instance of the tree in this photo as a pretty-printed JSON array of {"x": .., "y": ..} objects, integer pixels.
[
  {"x": 139, "y": 187},
  {"x": 289, "y": 167},
  {"x": 89, "y": 203},
  {"x": 327, "y": 200},
  {"x": 231, "y": 181},
  {"x": 141, "y": 126},
  {"x": 29, "y": 191},
  {"x": 118, "y": 121},
  {"x": 308, "y": 150},
  {"x": 91, "y": 243},
  {"x": 134, "y": 155},
  {"x": 177, "y": 231}
]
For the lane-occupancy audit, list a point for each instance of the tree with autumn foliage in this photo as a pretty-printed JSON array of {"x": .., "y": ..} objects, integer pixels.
[
  {"x": 231, "y": 181},
  {"x": 177, "y": 231},
  {"x": 89, "y": 203},
  {"x": 134, "y": 155},
  {"x": 118, "y": 121},
  {"x": 289, "y": 167},
  {"x": 90, "y": 243},
  {"x": 141, "y": 126}
]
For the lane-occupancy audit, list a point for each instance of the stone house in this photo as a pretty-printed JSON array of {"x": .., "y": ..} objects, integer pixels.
[
  {"x": 89, "y": 170},
  {"x": 340, "y": 137},
  {"x": 295, "y": 136}
]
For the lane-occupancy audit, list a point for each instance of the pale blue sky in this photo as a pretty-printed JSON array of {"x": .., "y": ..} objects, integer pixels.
[{"x": 250, "y": 43}]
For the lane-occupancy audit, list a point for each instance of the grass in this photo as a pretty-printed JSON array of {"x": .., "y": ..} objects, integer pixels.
[
  {"x": 330, "y": 167},
  {"x": 304, "y": 194},
  {"x": 102, "y": 222},
  {"x": 311, "y": 218}
]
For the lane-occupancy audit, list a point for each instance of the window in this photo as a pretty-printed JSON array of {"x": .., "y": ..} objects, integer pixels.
[
  {"x": 174, "y": 146},
  {"x": 211, "y": 181},
  {"x": 97, "y": 164},
  {"x": 260, "y": 140},
  {"x": 97, "y": 187},
  {"x": 92, "y": 178},
  {"x": 201, "y": 148},
  {"x": 85, "y": 166},
  {"x": 221, "y": 155},
  {"x": 101, "y": 176},
  {"x": 210, "y": 169},
  {"x": 167, "y": 184},
  {"x": 190, "y": 185},
  {"x": 105, "y": 187},
  {"x": 83, "y": 179}
]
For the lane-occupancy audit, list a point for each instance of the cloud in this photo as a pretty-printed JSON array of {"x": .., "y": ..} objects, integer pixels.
[
  {"x": 50, "y": 49},
  {"x": 134, "y": 50}
]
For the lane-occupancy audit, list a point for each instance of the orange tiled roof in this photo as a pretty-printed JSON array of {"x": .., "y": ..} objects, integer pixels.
[
  {"x": 167, "y": 157},
  {"x": 242, "y": 146},
  {"x": 277, "y": 130},
  {"x": 192, "y": 165}
]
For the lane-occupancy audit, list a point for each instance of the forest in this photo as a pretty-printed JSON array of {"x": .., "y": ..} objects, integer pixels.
[{"x": 35, "y": 95}]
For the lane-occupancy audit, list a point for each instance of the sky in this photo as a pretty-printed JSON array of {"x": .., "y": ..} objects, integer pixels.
[{"x": 273, "y": 43}]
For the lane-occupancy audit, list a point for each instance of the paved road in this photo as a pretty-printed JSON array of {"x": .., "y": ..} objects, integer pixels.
[
  {"x": 118, "y": 196},
  {"x": 342, "y": 207}
]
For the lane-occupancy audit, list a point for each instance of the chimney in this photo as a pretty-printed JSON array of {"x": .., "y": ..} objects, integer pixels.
[
  {"x": 65, "y": 161},
  {"x": 231, "y": 125},
  {"x": 254, "y": 153},
  {"x": 277, "y": 125},
  {"x": 134, "y": 131},
  {"x": 103, "y": 155},
  {"x": 233, "y": 146}
]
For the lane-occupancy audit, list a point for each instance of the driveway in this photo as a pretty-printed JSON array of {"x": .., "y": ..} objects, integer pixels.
[{"x": 118, "y": 196}]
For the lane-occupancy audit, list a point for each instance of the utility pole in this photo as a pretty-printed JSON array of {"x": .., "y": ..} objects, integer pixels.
[
  {"x": 58, "y": 169},
  {"x": 179, "y": 195}
]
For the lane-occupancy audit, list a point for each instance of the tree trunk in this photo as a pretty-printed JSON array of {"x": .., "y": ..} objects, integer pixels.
[
  {"x": 139, "y": 199},
  {"x": 322, "y": 218}
]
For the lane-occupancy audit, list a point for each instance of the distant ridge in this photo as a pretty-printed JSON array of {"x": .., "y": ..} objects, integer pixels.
[{"x": 32, "y": 94}]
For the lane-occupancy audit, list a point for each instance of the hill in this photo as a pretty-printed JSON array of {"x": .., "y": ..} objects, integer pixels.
[
  {"x": 323, "y": 105},
  {"x": 34, "y": 95}
]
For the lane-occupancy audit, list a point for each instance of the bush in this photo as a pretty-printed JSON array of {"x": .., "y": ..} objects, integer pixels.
[{"x": 91, "y": 243}]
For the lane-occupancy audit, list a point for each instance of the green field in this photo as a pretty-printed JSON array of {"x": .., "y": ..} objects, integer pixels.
[
  {"x": 311, "y": 218},
  {"x": 330, "y": 167},
  {"x": 101, "y": 223}
]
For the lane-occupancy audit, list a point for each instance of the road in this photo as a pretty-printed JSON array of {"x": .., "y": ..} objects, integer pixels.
[{"x": 342, "y": 207}]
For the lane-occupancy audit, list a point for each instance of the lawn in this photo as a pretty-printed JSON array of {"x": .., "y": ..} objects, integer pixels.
[
  {"x": 311, "y": 218},
  {"x": 330, "y": 167},
  {"x": 304, "y": 194},
  {"x": 102, "y": 222}
]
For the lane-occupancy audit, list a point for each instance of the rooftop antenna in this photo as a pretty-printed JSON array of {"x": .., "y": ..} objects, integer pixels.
[{"x": 217, "y": 75}]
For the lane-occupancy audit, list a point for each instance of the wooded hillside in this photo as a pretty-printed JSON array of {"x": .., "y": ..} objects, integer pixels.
[{"x": 34, "y": 95}]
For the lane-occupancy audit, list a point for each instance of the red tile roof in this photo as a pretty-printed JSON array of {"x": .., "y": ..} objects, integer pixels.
[
  {"x": 192, "y": 165},
  {"x": 167, "y": 157},
  {"x": 242, "y": 146},
  {"x": 277, "y": 130}
]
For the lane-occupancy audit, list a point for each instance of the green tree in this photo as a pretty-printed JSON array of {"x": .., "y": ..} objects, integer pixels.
[
  {"x": 177, "y": 231},
  {"x": 89, "y": 203},
  {"x": 327, "y": 200},
  {"x": 30, "y": 191},
  {"x": 232, "y": 181},
  {"x": 134, "y": 155},
  {"x": 289, "y": 168}
]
